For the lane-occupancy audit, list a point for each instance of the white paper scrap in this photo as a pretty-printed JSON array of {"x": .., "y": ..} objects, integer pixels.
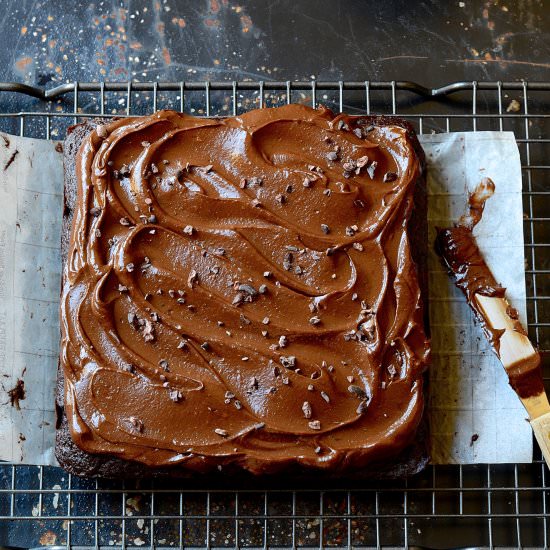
[
  {"x": 475, "y": 415},
  {"x": 469, "y": 394},
  {"x": 31, "y": 184}
]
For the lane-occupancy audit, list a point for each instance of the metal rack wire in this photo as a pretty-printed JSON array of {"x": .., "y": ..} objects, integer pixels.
[{"x": 445, "y": 506}]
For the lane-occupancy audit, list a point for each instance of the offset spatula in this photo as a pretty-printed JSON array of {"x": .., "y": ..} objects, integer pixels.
[{"x": 499, "y": 321}]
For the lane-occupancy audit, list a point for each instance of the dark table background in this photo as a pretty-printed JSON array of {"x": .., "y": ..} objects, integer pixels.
[{"x": 433, "y": 42}]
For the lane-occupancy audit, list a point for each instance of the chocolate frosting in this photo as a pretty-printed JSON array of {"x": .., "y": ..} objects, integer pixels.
[{"x": 241, "y": 290}]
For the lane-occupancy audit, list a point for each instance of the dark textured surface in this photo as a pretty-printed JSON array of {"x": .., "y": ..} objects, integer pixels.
[
  {"x": 429, "y": 41},
  {"x": 75, "y": 461}
]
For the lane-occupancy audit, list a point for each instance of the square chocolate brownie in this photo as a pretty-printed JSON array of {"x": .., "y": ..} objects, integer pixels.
[{"x": 243, "y": 295}]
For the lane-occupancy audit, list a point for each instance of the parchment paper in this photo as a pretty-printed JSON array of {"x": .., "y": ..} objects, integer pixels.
[
  {"x": 31, "y": 186},
  {"x": 475, "y": 415},
  {"x": 469, "y": 391}
]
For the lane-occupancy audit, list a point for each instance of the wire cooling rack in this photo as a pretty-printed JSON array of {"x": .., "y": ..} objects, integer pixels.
[{"x": 445, "y": 506}]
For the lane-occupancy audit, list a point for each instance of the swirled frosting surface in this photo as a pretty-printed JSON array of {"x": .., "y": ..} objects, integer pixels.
[{"x": 242, "y": 291}]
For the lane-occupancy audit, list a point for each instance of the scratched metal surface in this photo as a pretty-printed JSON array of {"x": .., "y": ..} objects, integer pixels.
[
  {"x": 50, "y": 42},
  {"x": 432, "y": 42}
]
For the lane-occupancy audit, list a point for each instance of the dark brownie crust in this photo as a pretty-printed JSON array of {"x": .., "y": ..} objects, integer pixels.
[{"x": 78, "y": 462}]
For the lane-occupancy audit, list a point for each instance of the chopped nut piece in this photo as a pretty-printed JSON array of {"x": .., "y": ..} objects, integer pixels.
[
  {"x": 248, "y": 289},
  {"x": 288, "y": 362},
  {"x": 255, "y": 180},
  {"x": 238, "y": 299},
  {"x": 221, "y": 432},
  {"x": 163, "y": 364},
  {"x": 389, "y": 177},
  {"x": 357, "y": 391},
  {"x": 148, "y": 331},
  {"x": 371, "y": 169},
  {"x": 314, "y": 424},
  {"x": 361, "y": 162},
  {"x": 101, "y": 131},
  {"x": 368, "y": 328},
  {"x": 175, "y": 395},
  {"x": 136, "y": 423},
  {"x": 193, "y": 278},
  {"x": 306, "y": 409}
]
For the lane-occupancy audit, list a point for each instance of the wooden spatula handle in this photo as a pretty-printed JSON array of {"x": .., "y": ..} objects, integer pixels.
[{"x": 541, "y": 429}]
